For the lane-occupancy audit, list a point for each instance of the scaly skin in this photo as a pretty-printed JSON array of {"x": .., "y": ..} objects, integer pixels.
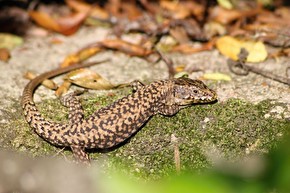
[{"x": 111, "y": 125}]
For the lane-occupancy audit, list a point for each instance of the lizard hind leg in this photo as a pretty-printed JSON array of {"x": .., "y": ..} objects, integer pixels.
[
  {"x": 81, "y": 156},
  {"x": 76, "y": 113}
]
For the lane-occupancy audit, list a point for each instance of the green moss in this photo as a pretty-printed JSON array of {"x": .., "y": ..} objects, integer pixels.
[{"x": 234, "y": 129}]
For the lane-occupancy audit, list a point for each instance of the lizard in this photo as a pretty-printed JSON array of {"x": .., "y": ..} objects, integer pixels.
[{"x": 111, "y": 125}]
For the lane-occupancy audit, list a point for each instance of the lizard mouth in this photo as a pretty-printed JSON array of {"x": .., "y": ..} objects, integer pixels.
[{"x": 210, "y": 97}]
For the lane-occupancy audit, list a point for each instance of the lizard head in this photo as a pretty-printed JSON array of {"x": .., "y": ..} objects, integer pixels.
[{"x": 188, "y": 91}]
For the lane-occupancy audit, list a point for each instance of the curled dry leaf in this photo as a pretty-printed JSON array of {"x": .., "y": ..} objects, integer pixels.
[
  {"x": 212, "y": 29},
  {"x": 230, "y": 47},
  {"x": 80, "y": 56},
  {"x": 273, "y": 29},
  {"x": 116, "y": 44},
  {"x": 114, "y": 7},
  {"x": 189, "y": 49},
  {"x": 63, "y": 88},
  {"x": 179, "y": 34},
  {"x": 95, "y": 10},
  {"x": 89, "y": 79},
  {"x": 183, "y": 9},
  {"x": 131, "y": 11},
  {"x": 226, "y": 16},
  {"x": 65, "y": 25},
  {"x": 126, "y": 47},
  {"x": 47, "y": 83},
  {"x": 177, "y": 10}
]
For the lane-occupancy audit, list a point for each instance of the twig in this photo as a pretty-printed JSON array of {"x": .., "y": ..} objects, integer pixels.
[
  {"x": 174, "y": 141},
  {"x": 169, "y": 63},
  {"x": 241, "y": 68}
]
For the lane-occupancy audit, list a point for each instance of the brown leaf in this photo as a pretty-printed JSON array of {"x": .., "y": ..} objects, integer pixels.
[
  {"x": 44, "y": 20},
  {"x": 64, "y": 25},
  {"x": 114, "y": 7},
  {"x": 130, "y": 10},
  {"x": 195, "y": 8},
  {"x": 47, "y": 83},
  {"x": 176, "y": 10},
  {"x": 80, "y": 56},
  {"x": 191, "y": 27},
  {"x": 226, "y": 16},
  {"x": 56, "y": 40},
  {"x": 179, "y": 34},
  {"x": 116, "y": 44},
  {"x": 267, "y": 17},
  {"x": 70, "y": 24},
  {"x": 212, "y": 29},
  {"x": 189, "y": 49},
  {"x": 126, "y": 47},
  {"x": 63, "y": 88},
  {"x": 150, "y": 7},
  {"x": 4, "y": 54},
  {"x": 273, "y": 28},
  {"x": 88, "y": 79},
  {"x": 95, "y": 10}
]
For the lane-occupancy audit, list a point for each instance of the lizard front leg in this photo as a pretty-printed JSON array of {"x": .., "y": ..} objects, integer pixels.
[{"x": 168, "y": 110}]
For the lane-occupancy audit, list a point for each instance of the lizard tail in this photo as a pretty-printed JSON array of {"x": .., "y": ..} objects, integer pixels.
[{"x": 51, "y": 131}]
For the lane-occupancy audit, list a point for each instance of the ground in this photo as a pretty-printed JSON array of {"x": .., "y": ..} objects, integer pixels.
[{"x": 251, "y": 115}]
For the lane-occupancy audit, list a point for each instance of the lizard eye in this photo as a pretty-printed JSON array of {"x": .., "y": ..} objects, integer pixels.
[{"x": 195, "y": 91}]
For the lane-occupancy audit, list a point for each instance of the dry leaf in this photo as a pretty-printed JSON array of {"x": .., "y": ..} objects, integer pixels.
[
  {"x": 95, "y": 10},
  {"x": 63, "y": 88},
  {"x": 64, "y": 25},
  {"x": 227, "y": 4},
  {"x": 179, "y": 34},
  {"x": 195, "y": 8},
  {"x": 224, "y": 16},
  {"x": 212, "y": 29},
  {"x": 180, "y": 68},
  {"x": 216, "y": 76},
  {"x": 4, "y": 54},
  {"x": 126, "y": 47},
  {"x": 9, "y": 41},
  {"x": 189, "y": 49},
  {"x": 131, "y": 11},
  {"x": 231, "y": 47},
  {"x": 44, "y": 20},
  {"x": 88, "y": 79},
  {"x": 114, "y": 7},
  {"x": 177, "y": 10},
  {"x": 47, "y": 83},
  {"x": 80, "y": 56},
  {"x": 56, "y": 40}
]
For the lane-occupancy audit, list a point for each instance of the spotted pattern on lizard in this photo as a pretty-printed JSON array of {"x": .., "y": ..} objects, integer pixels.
[{"x": 113, "y": 124}]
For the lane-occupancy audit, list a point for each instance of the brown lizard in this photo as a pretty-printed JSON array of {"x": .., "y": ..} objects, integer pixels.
[{"x": 113, "y": 124}]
